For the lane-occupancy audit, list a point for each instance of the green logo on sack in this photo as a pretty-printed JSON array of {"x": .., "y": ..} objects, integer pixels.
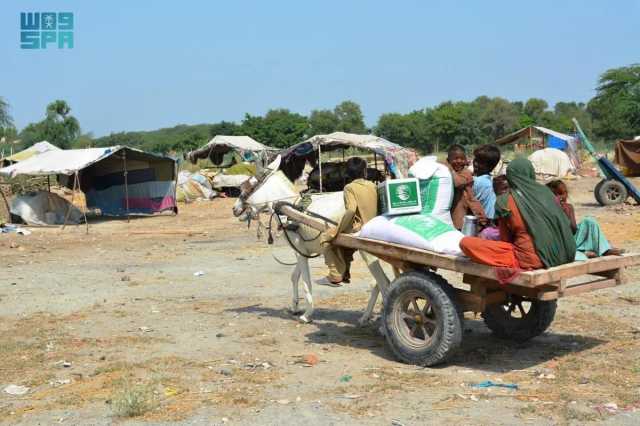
[
  {"x": 428, "y": 227},
  {"x": 403, "y": 195}
]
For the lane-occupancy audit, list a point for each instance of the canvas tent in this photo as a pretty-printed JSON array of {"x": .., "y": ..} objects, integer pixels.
[
  {"x": 117, "y": 180},
  {"x": 627, "y": 156},
  {"x": 35, "y": 149},
  {"x": 538, "y": 137},
  {"x": 397, "y": 159},
  {"x": 215, "y": 150}
]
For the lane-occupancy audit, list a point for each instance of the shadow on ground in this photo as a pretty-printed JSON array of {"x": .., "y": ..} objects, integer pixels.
[{"x": 480, "y": 350}]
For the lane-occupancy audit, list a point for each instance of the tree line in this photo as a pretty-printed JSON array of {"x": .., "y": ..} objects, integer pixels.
[{"x": 613, "y": 113}]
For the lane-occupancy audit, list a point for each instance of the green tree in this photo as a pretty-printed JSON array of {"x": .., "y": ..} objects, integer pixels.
[
  {"x": 83, "y": 141},
  {"x": 59, "y": 127},
  {"x": 616, "y": 107},
  {"x": 226, "y": 128},
  {"x": 322, "y": 122},
  {"x": 279, "y": 128},
  {"x": 5, "y": 118},
  {"x": 7, "y": 130},
  {"x": 350, "y": 118},
  {"x": 497, "y": 117},
  {"x": 565, "y": 111}
]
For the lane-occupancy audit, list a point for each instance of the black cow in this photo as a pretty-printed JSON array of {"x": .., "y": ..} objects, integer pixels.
[{"x": 334, "y": 177}]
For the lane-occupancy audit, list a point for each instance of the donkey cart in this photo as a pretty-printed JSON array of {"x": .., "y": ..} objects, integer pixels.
[{"x": 423, "y": 313}]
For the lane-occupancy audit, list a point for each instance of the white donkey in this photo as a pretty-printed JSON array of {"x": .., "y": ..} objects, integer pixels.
[{"x": 260, "y": 195}]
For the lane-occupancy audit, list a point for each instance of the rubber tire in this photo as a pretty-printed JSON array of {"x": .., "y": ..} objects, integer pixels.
[
  {"x": 449, "y": 328},
  {"x": 537, "y": 320},
  {"x": 608, "y": 184},
  {"x": 596, "y": 191}
]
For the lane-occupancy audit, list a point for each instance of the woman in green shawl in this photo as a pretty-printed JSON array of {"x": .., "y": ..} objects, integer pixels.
[{"x": 534, "y": 231}]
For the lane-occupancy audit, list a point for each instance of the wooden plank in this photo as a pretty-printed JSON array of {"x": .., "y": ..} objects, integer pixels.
[
  {"x": 618, "y": 274},
  {"x": 578, "y": 288},
  {"x": 471, "y": 302},
  {"x": 591, "y": 266}
]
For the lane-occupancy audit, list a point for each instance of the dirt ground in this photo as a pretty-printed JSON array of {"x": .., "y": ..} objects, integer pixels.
[{"x": 98, "y": 326}]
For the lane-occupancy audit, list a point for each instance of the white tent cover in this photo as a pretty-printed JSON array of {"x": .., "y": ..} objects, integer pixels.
[
  {"x": 244, "y": 143},
  {"x": 60, "y": 162},
  {"x": 551, "y": 162}
]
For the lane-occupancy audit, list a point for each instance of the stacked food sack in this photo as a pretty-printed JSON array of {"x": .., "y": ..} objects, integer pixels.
[{"x": 430, "y": 229}]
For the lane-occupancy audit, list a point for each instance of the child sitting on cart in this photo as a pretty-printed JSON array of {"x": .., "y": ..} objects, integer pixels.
[
  {"x": 361, "y": 205},
  {"x": 464, "y": 201},
  {"x": 590, "y": 240}
]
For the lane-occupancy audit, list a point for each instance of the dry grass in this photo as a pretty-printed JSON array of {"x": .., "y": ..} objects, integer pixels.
[{"x": 132, "y": 399}]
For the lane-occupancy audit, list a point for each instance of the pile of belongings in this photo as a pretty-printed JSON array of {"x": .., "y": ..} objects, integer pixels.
[
  {"x": 194, "y": 186},
  {"x": 432, "y": 228},
  {"x": 234, "y": 176},
  {"x": 44, "y": 208}
]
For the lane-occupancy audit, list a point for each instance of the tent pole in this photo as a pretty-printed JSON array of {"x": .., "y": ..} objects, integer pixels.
[
  {"x": 320, "y": 164},
  {"x": 73, "y": 194},
  {"x": 84, "y": 209},
  {"x": 126, "y": 185},
  {"x": 175, "y": 188},
  {"x": 49, "y": 183}
]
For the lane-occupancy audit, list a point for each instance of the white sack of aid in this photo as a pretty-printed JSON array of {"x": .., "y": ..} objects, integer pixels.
[{"x": 431, "y": 229}]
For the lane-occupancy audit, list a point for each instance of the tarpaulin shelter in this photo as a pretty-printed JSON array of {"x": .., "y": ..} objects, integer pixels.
[
  {"x": 397, "y": 159},
  {"x": 627, "y": 156},
  {"x": 538, "y": 137},
  {"x": 248, "y": 148},
  {"x": 35, "y": 149},
  {"x": 117, "y": 180}
]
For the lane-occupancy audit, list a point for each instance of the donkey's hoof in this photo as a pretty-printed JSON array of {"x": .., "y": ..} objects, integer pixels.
[
  {"x": 303, "y": 319},
  {"x": 364, "y": 321},
  {"x": 295, "y": 311}
]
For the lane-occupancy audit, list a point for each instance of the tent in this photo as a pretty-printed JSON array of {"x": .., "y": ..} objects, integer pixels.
[
  {"x": 538, "y": 137},
  {"x": 215, "y": 150},
  {"x": 397, "y": 159},
  {"x": 35, "y": 149},
  {"x": 627, "y": 156},
  {"x": 117, "y": 180}
]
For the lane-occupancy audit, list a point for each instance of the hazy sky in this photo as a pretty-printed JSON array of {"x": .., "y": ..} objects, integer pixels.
[{"x": 144, "y": 65}]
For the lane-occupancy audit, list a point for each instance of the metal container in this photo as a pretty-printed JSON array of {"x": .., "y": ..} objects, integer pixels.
[{"x": 470, "y": 226}]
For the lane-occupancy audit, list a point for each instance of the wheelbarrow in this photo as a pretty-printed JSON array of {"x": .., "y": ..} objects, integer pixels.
[{"x": 614, "y": 188}]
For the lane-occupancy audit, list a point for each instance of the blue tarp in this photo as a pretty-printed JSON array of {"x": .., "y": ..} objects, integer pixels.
[{"x": 557, "y": 143}]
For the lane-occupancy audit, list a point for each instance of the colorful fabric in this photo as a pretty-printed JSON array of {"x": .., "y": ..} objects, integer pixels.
[
  {"x": 144, "y": 198},
  {"x": 544, "y": 219},
  {"x": 589, "y": 237},
  {"x": 483, "y": 191},
  {"x": 515, "y": 250}
]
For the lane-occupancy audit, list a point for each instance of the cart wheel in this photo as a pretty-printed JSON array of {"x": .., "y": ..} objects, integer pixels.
[
  {"x": 518, "y": 318},
  {"x": 611, "y": 192},
  {"x": 420, "y": 319},
  {"x": 596, "y": 191}
]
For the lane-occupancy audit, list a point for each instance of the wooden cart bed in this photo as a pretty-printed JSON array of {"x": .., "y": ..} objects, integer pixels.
[{"x": 542, "y": 284}]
